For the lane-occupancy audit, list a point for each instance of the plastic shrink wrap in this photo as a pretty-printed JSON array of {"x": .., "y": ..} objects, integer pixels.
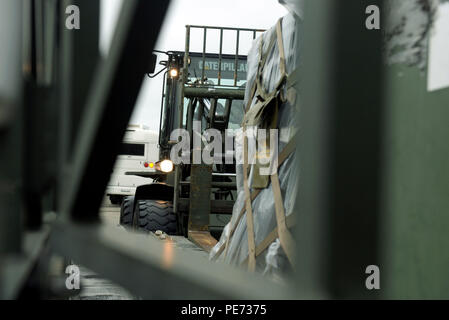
[{"x": 272, "y": 260}]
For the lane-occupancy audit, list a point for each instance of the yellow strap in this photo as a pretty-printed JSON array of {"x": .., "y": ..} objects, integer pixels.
[
  {"x": 262, "y": 60},
  {"x": 265, "y": 243},
  {"x": 249, "y": 210},
  {"x": 257, "y": 87},
  {"x": 231, "y": 233},
  {"x": 250, "y": 100},
  {"x": 285, "y": 236},
  {"x": 263, "y": 57},
  {"x": 286, "y": 152},
  {"x": 283, "y": 223},
  {"x": 281, "y": 48}
]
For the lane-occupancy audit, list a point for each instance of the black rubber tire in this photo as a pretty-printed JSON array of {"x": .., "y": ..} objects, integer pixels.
[
  {"x": 154, "y": 215},
  {"x": 116, "y": 200},
  {"x": 126, "y": 212}
]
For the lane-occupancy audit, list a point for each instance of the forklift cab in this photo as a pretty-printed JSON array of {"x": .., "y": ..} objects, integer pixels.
[{"x": 200, "y": 91}]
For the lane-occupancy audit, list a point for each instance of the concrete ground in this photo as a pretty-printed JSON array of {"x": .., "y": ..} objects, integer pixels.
[
  {"x": 93, "y": 286},
  {"x": 110, "y": 213}
]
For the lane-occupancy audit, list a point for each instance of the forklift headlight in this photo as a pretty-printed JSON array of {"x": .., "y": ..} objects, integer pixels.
[
  {"x": 166, "y": 166},
  {"x": 174, "y": 73}
]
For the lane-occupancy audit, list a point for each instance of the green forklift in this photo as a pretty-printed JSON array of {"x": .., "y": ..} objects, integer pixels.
[{"x": 201, "y": 91}]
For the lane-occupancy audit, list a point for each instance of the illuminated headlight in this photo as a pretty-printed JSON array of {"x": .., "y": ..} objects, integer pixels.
[
  {"x": 166, "y": 166},
  {"x": 174, "y": 73}
]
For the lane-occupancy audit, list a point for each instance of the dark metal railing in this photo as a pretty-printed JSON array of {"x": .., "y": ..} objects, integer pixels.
[{"x": 237, "y": 31}]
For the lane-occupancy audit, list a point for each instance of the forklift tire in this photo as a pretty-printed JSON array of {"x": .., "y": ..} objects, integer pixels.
[
  {"x": 116, "y": 200},
  {"x": 126, "y": 212},
  {"x": 154, "y": 215}
]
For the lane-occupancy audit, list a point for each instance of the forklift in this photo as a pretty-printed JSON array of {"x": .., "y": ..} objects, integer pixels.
[{"x": 201, "y": 91}]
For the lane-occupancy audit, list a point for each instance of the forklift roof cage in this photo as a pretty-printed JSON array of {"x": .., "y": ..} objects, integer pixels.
[{"x": 237, "y": 32}]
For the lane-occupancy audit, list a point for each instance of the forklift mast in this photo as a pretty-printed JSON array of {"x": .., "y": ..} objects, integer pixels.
[{"x": 208, "y": 88}]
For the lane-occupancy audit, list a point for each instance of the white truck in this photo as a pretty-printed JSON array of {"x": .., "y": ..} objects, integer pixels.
[{"x": 139, "y": 152}]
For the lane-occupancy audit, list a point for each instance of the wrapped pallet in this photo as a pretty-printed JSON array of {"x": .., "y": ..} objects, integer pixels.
[{"x": 258, "y": 235}]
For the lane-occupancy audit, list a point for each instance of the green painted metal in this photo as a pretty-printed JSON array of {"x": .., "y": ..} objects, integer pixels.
[
  {"x": 375, "y": 181},
  {"x": 339, "y": 148},
  {"x": 11, "y": 129},
  {"x": 191, "y": 92},
  {"x": 374, "y": 189},
  {"x": 416, "y": 193},
  {"x": 200, "y": 175},
  {"x": 200, "y": 189},
  {"x": 161, "y": 271}
]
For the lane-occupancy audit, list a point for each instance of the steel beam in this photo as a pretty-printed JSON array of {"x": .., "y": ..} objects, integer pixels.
[
  {"x": 110, "y": 104},
  {"x": 152, "y": 269},
  {"x": 214, "y": 93},
  {"x": 84, "y": 59},
  {"x": 16, "y": 269},
  {"x": 217, "y": 184},
  {"x": 41, "y": 106},
  {"x": 199, "y": 204},
  {"x": 216, "y": 206},
  {"x": 339, "y": 150},
  {"x": 79, "y": 57},
  {"x": 11, "y": 127}
]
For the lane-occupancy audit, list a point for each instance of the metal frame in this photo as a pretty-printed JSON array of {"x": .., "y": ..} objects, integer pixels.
[
  {"x": 200, "y": 184},
  {"x": 176, "y": 89},
  {"x": 11, "y": 149},
  {"x": 163, "y": 272},
  {"x": 339, "y": 150},
  {"x": 200, "y": 176},
  {"x": 111, "y": 100},
  {"x": 221, "y": 29}
]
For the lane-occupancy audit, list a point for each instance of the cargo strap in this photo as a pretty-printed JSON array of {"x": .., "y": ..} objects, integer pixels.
[
  {"x": 262, "y": 60},
  {"x": 286, "y": 152},
  {"x": 285, "y": 236},
  {"x": 249, "y": 210},
  {"x": 281, "y": 230},
  {"x": 282, "y": 64},
  {"x": 261, "y": 93},
  {"x": 264, "y": 113},
  {"x": 265, "y": 243},
  {"x": 262, "y": 96},
  {"x": 293, "y": 78},
  {"x": 265, "y": 99},
  {"x": 257, "y": 89}
]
